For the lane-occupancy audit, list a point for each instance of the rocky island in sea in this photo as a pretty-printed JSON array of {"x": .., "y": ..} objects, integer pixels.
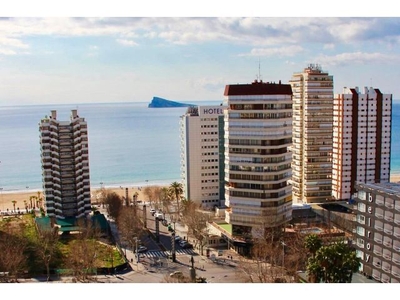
[{"x": 157, "y": 102}]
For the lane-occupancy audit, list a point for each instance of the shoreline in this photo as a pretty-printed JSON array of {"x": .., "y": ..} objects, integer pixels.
[{"x": 22, "y": 196}]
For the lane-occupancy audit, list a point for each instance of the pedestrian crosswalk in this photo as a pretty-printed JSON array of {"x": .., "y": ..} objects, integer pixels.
[{"x": 151, "y": 254}]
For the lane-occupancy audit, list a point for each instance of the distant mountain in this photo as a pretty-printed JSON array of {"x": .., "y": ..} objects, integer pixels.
[{"x": 160, "y": 103}]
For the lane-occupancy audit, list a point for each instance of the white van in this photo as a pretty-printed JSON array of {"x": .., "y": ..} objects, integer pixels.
[{"x": 159, "y": 216}]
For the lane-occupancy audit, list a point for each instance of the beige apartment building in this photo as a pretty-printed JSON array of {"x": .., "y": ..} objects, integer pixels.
[
  {"x": 361, "y": 139},
  {"x": 202, "y": 142},
  {"x": 312, "y": 135},
  {"x": 258, "y": 133},
  {"x": 65, "y": 166}
]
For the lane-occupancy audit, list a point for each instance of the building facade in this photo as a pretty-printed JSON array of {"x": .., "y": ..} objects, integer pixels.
[
  {"x": 258, "y": 133},
  {"x": 202, "y": 151},
  {"x": 361, "y": 139},
  {"x": 65, "y": 166},
  {"x": 312, "y": 135},
  {"x": 377, "y": 237}
]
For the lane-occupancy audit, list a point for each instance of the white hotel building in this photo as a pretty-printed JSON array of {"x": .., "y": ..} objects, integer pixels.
[
  {"x": 312, "y": 135},
  {"x": 201, "y": 130},
  {"x": 258, "y": 133},
  {"x": 361, "y": 139},
  {"x": 65, "y": 166}
]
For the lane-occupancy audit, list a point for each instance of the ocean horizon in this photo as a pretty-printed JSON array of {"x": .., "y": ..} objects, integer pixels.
[{"x": 130, "y": 145}]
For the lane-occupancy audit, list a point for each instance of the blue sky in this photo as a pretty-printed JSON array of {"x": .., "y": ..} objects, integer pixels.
[{"x": 56, "y": 58}]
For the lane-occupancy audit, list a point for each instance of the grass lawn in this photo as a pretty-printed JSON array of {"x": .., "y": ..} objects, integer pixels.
[{"x": 23, "y": 227}]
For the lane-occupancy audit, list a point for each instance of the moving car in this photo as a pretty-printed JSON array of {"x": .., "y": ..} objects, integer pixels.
[
  {"x": 185, "y": 245},
  {"x": 152, "y": 211},
  {"x": 142, "y": 249},
  {"x": 159, "y": 216},
  {"x": 178, "y": 239}
]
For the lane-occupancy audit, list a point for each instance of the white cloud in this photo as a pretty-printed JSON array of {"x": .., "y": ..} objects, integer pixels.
[
  {"x": 245, "y": 31},
  {"x": 129, "y": 43},
  {"x": 281, "y": 52},
  {"x": 354, "y": 58}
]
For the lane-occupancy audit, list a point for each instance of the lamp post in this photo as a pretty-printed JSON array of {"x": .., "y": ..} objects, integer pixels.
[
  {"x": 137, "y": 253},
  {"x": 173, "y": 253},
  {"x": 283, "y": 256}
]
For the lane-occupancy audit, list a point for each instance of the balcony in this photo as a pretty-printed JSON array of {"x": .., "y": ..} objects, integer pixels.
[
  {"x": 389, "y": 218},
  {"x": 386, "y": 267},
  {"x": 378, "y": 251},
  {"x": 388, "y": 230},
  {"x": 386, "y": 254},
  {"x": 396, "y": 259},
  {"x": 396, "y": 272},
  {"x": 387, "y": 243},
  {"x": 377, "y": 264}
]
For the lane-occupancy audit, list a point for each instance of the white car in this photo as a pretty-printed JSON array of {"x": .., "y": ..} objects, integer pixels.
[{"x": 152, "y": 211}]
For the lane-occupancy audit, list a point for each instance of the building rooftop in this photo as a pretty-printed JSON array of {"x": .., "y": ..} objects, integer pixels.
[{"x": 258, "y": 88}]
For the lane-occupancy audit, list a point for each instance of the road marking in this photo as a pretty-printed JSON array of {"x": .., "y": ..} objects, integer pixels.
[{"x": 151, "y": 254}]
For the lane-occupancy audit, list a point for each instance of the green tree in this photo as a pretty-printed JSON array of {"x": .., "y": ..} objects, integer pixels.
[
  {"x": 334, "y": 263},
  {"x": 177, "y": 189},
  {"x": 312, "y": 242}
]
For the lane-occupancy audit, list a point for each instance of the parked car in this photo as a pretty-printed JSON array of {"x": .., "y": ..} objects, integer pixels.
[
  {"x": 152, "y": 211},
  {"x": 176, "y": 274}
]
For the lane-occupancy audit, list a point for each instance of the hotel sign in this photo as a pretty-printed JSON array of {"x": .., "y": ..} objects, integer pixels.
[
  {"x": 370, "y": 211},
  {"x": 211, "y": 110}
]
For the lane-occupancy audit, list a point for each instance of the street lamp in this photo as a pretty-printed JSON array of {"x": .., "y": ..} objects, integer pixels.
[
  {"x": 173, "y": 253},
  {"x": 283, "y": 255},
  {"x": 137, "y": 253}
]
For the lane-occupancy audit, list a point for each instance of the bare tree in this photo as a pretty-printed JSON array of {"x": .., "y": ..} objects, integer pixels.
[
  {"x": 196, "y": 222},
  {"x": 12, "y": 259},
  {"x": 114, "y": 204},
  {"x": 129, "y": 225},
  {"x": 46, "y": 246},
  {"x": 82, "y": 258}
]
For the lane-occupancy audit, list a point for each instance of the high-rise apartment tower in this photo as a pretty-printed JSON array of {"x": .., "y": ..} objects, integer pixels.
[
  {"x": 312, "y": 135},
  {"x": 361, "y": 139},
  {"x": 202, "y": 155},
  {"x": 65, "y": 166},
  {"x": 258, "y": 133}
]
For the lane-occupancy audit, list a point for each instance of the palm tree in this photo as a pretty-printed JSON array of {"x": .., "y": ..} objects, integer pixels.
[
  {"x": 31, "y": 198},
  {"x": 312, "y": 242},
  {"x": 14, "y": 202},
  {"x": 177, "y": 189}
]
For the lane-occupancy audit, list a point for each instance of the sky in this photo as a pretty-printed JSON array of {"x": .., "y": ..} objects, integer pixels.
[{"x": 113, "y": 53}]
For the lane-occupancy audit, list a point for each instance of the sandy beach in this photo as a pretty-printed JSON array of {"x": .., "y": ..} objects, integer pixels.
[{"x": 22, "y": 198}]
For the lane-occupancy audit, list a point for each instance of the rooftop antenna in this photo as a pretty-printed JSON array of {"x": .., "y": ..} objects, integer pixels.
[{"x": 259, "y": 71}]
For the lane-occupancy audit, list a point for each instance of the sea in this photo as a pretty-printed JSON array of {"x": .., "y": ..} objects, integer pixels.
[{"x": 130, "y": 145}]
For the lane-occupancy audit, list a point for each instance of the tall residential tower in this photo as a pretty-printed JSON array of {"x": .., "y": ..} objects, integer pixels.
[
  {"x": 65, "y": 166},
  {"x": 312, "y": 135},
  {"x": 258, "y": 133},
  {"x": 361, "y": 139}
]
